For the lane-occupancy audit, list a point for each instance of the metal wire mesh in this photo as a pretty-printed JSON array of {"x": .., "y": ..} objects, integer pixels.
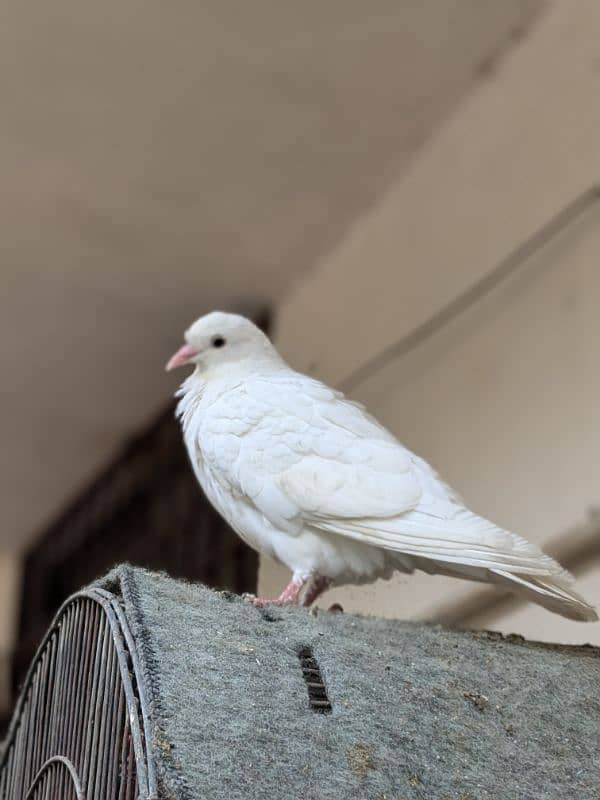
[{"x": 79, "y": 731}]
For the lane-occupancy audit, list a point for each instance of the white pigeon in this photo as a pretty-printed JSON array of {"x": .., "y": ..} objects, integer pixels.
[{"x": 310, "y": 479}]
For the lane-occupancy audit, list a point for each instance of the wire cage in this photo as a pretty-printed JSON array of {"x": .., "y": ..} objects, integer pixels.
[{"x": 80, "y": 727}]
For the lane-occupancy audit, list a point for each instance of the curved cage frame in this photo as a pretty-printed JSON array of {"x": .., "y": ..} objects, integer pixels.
[
  {"x": 81, "y": 726},
  {"x": 59, "y": 777}
]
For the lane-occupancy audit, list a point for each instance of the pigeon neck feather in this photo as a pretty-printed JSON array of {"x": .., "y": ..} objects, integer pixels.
[{"x": 219, "y": 378}]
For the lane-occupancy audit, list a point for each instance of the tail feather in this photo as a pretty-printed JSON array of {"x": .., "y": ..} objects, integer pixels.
[
  {"x": 553, "y": 591},
  {"x": 550, "y": 592}
]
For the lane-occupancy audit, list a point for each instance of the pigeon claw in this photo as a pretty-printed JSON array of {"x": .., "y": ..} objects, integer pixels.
[
  {"x": 289, "y": 597},
  {"x": 263, "y": 602}
]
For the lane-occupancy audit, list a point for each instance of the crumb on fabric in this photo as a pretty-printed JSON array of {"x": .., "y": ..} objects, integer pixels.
[{"x": 360, "y": 759}]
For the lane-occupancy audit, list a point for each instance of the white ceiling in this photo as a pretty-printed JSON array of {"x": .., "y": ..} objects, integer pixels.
[{"x": 159, "y": 160}]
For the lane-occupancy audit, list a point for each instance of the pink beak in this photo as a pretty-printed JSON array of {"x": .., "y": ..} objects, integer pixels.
[{"x": 183, "y": 356}]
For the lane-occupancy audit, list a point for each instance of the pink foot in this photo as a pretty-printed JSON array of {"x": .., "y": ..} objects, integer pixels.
[{"x": 289, "y": 597}]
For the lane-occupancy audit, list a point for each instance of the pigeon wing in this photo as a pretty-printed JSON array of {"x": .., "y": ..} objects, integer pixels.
[{"x": 351, "y": 477}]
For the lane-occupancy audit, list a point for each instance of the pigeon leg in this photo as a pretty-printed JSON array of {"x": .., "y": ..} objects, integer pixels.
[
  {"x": 289, "y": 597},
  {"x": 317, "y": 585}
]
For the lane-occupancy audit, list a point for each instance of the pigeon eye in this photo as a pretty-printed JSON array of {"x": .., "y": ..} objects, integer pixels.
[{"x": 217, "y": 341}]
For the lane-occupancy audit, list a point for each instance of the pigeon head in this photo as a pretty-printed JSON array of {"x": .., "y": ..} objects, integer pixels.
[{"x": 217, "y": 338}]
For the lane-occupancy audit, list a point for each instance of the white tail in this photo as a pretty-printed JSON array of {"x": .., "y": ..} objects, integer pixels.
[{"x": 552, "y": 593}]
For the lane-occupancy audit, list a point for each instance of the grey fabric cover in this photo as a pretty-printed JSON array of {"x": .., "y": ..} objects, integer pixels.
[{"x": 419, "y": 711}]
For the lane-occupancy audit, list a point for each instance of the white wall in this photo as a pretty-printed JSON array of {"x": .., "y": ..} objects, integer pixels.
[{"x": 505, "y": 403}]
